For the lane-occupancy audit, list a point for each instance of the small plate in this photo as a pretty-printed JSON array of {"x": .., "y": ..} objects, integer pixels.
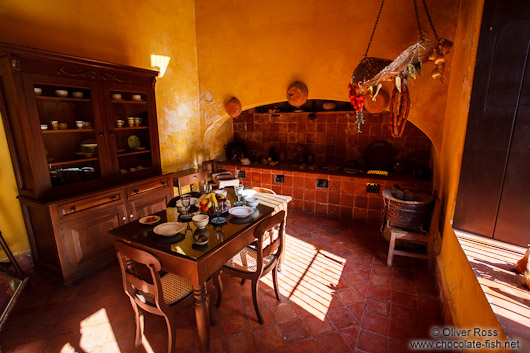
[
  {"x": 169, "y": 229},
  {"x": 149, "y": 220},
  {"x": 218, "y": 220},
  {"x": 241, "y": 211},
  {"x": 133, "y": 141}
]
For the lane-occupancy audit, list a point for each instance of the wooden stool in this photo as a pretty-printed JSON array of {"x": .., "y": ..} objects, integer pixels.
[
  {"x": 426, "y": 238},
  {"x": 405, "y": 235}
]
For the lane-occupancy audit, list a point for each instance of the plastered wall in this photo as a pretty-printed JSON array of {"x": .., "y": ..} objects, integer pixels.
[
  {"x": 466, "y": 304},
  {"x": 118, "y": 31},
  {"x": 254, "y": 50}
]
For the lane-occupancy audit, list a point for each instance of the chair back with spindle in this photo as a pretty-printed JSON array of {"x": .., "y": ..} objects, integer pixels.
[
  {"x": 267, "y": 228},
  {"x": 141, "y": 276}
]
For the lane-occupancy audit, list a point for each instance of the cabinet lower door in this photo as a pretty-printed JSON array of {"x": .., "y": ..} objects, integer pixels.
[
  {"x": 87, "y": 242},
  {"x": 145, "y": 205}
]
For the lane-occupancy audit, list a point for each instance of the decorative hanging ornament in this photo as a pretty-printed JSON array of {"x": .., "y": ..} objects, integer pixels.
[
  {"x": 233, "y": 107},
  {"x": 370, "y": 72},
  {"x": 297, "y": 94}
]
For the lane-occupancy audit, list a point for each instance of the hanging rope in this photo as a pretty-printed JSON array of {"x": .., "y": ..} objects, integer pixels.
[
  {"x": 375, "y": 26},
  {"x": 430, "y": 21},
  {"x": 422, "y": 36}
]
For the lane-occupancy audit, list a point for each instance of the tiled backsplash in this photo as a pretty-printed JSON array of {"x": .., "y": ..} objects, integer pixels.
[
  {"x": 331, "y": 138},
  {"x": 340, "y": 196}
]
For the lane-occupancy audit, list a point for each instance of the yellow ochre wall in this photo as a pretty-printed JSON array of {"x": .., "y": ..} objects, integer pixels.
[
  {"x": 466, "y": 303},
  {"x": 118, "y": 31},
  {"x": 254, "y": 49}
]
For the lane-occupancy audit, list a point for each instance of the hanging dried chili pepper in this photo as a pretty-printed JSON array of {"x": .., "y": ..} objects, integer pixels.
[{"x": 399, "y": 111}]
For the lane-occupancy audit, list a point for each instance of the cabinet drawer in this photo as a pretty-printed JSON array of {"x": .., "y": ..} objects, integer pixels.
[
  {"x": 139, "y": 189},
  {"x": 84, "y": 204}
]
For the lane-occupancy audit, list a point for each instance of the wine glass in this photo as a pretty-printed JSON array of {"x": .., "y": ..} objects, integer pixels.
[
  {"x": 239, "y": 190},
  {"x": 186, "y": 199},
  {"x": 217, "y": 210}
]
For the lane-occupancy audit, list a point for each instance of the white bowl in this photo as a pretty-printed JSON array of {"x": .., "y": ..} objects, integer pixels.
[
  {"x": 221, "y": 192},
  {"x": 169, "y": 229},
  {"x": 248, "y": 193},
  {"x": 252, "y": 202},
  {"x": 89, "y": 147},
  {"x": 200, "y": 220},
  {"x": 37, "y": 90},
  {"x": 43, "y": 127},
  {"x": 136, "y": 97},
  {"x": 241, "y": 211},
  {"x": 61, "y": 93}
]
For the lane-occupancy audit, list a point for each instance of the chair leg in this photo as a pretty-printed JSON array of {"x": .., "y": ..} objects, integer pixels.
[
  {"x": 210, "y": 311},
  {"x": 218, "y": 284},
  {"x": 139, "y": 319},
  {"x": 255, "y": 290},
  {"x": 171, "y": 348},
  {"x": 391, "y": 248},
  {"x": 275, "y": 281}
]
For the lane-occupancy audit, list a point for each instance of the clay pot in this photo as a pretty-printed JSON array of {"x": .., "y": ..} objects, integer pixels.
[
  {"x": 233, "y": 107},
  {"x": 297, "y": 94},
  {"x": 380, "y": 103}
]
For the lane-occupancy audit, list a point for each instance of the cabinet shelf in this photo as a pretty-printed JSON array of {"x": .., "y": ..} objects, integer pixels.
[
  {"x": 128, "y": 102},
  {"x": 66, "y": 131},
  {"x": 73, "y": 161},
  {"x": 63, "y": 99},
  {"x": 125, "y": 154},
  {"x": 131, "y": 128}
]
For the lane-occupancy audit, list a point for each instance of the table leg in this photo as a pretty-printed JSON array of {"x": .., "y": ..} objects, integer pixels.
[
  {"x": 202, "y": 317},
  {"x": 280, "y": 260}
]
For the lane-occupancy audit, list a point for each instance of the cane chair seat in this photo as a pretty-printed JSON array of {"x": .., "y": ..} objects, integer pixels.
[
  {"x": 247, "y": 260},
  {"x": 174, "y": 289}
]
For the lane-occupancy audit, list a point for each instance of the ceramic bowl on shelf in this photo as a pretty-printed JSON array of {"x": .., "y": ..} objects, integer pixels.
[
  {"x": 43, "y": 127},
  {"x": 89, "y": 147},
  {"x": 61, "y": 93},
  {"x": 137, "y": 97},
  {"x": 116, "y": 96},
  {"x": 77, "y": 94},
  {"x": 37, "y": 90}
]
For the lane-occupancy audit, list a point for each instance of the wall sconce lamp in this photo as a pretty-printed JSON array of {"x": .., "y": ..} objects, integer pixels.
[{"x": 160, "y": 63}]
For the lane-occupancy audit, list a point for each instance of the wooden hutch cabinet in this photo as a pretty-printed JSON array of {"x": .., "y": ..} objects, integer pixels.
[{"x": 83, "y": 137}]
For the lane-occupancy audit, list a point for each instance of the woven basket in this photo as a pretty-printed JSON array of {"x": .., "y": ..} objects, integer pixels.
[
  {"x": 409, "y": 215},
  {"x": 367, "y": 68}
]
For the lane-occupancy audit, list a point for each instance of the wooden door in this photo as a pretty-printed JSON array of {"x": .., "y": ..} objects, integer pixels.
[
  {"x": 148, "y": 204},
  {"x": 493, "y": 197},
  {"x": 87, "y": 244}
]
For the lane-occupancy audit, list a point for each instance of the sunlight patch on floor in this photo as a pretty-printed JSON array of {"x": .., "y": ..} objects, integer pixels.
[{"x": 308, "y": 276}]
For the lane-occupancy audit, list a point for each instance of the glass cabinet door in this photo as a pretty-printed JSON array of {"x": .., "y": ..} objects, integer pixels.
[
  {"x": 67, "y": 112},
  {"x": 130, "y": 120}
]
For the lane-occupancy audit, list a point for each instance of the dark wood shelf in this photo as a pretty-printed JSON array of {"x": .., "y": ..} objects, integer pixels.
[
  {"x": 69, "y": 99},
  {"x": 122, "y": 101},
  {"x": 66, "y": 130},
  {"x": 74, "y": 161},
  {"x": 125, "y": 154},
  {"x": 131, "y": 128}
]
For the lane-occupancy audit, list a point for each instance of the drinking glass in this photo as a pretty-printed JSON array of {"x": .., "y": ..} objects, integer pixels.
[
  {"x": 239, "y": 190},
  {"x": 217, "y": 210},
  {"x": 186, "y": 199}
]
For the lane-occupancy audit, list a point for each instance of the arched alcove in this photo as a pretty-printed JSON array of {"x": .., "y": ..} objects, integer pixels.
[{"x": 326, "y": 138}]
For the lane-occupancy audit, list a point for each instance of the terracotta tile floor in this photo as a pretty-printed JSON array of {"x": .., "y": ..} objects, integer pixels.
[{"x": 338, "y": 296}]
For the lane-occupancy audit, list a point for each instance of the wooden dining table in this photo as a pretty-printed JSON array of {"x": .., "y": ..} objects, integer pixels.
[{"x": 197, "y": 263}]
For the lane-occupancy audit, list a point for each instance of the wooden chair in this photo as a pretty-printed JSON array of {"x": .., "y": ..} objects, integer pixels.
[
  {"x": 263, "y": 190},
  {"x": 255, "y": 263},
  {"x": 149, "y": 291},
  {"x": 426, "y": 239}
]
